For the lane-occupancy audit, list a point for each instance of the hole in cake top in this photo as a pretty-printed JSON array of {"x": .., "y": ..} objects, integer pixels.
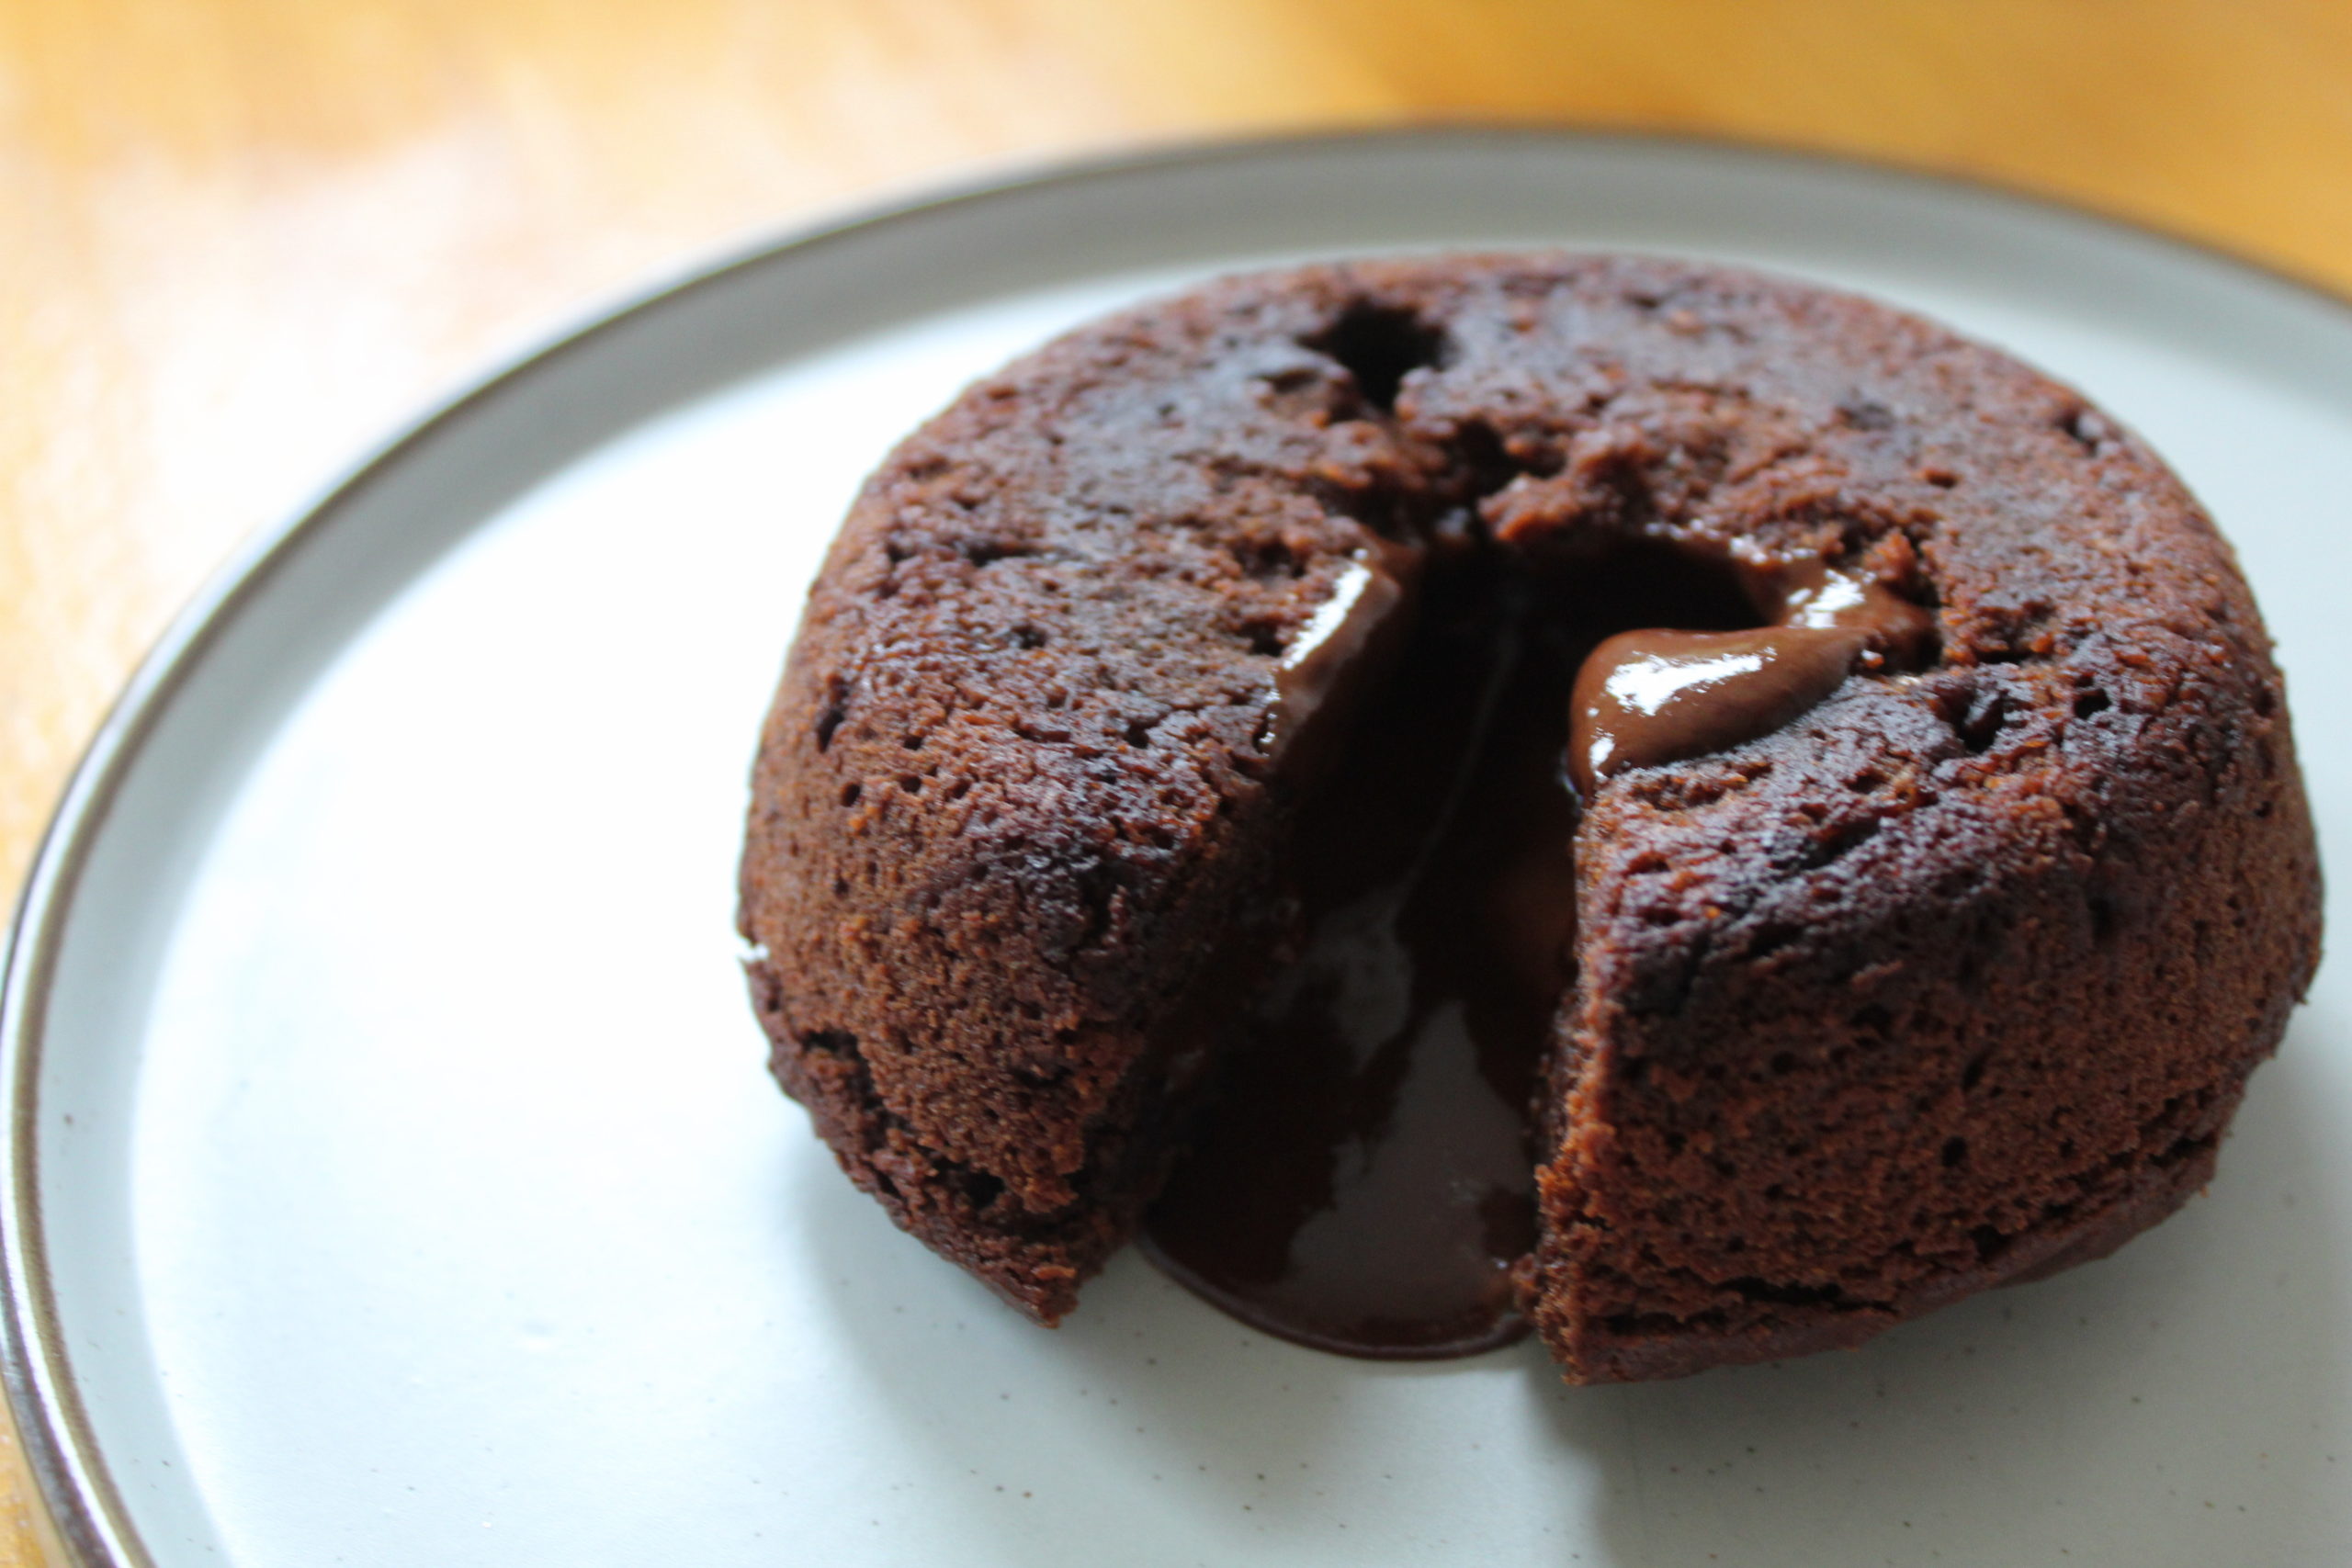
[{"x": 1379, "y": 346}]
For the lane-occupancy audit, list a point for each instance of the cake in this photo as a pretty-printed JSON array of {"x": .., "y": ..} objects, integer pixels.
[{"x": 1703, "y": 814}]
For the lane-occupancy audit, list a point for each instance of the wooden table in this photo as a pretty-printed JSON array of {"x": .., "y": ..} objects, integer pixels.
[{"x": 240, "y": 240}]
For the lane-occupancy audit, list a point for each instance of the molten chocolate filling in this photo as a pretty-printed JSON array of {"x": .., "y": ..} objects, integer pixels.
[{"x": 1364, "y": 1182}]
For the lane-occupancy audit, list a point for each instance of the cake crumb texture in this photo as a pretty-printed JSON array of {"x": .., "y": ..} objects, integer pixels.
[{"x": 1955, "y": 979}]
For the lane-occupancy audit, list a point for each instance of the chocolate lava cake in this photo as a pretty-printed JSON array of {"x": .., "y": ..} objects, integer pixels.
[{"x": 1701, "y": 813}]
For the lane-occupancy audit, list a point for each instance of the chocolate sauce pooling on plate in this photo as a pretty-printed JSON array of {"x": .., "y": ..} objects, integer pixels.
[{"x": 1363, "y": 1183}]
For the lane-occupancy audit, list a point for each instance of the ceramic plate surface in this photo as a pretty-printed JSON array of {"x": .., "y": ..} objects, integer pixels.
[{"x": 396, "y": 1181}]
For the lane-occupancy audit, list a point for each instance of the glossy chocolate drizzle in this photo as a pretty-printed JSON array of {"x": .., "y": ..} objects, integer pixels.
[
  {"x": 1650, "y": 697},
  {"x": 1332, "y": 660},
  {"x": 1363, "y": 1183},
  {"x": 1811, "y": 592}
]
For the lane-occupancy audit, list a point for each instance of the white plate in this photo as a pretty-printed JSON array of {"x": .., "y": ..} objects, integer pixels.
[{"x": 395, "y": 1180}]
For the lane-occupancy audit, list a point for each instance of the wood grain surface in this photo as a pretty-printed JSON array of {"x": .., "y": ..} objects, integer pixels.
[{"x": 241, "y": 239}]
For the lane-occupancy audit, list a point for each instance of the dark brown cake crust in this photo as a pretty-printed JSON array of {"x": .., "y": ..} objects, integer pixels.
[{"x": 1955, "y": 979}]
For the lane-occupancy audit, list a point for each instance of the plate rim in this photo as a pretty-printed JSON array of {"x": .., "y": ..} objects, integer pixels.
[{"x": 78, "y": 1498}]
